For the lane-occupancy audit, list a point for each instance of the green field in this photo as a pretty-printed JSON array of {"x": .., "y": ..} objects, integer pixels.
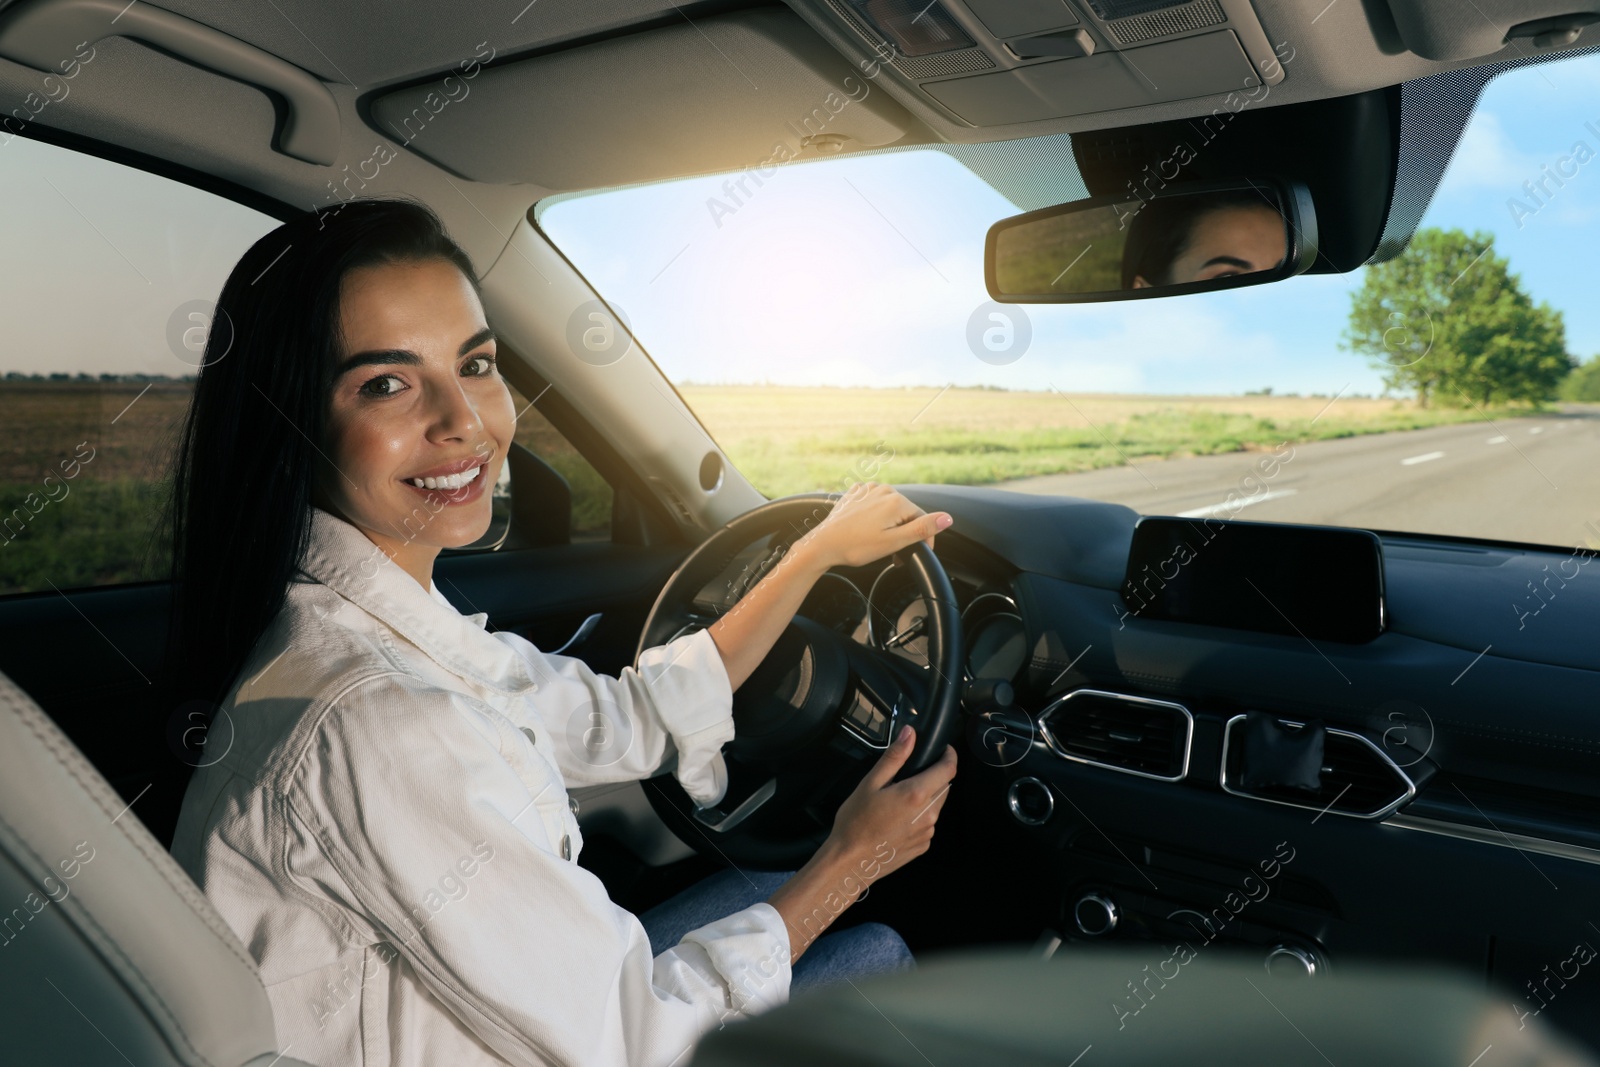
[
  {"x": 791, "y": 440},
  {"x": 101, "y": 525}
]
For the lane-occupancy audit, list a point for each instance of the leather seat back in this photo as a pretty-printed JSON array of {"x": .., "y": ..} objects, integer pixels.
[{"x": 109, "y": 953}]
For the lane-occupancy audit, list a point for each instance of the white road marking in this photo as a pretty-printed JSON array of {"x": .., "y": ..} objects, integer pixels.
[
  {"x": 1425, "y": 457},
  {"x": 1499, "y": 440},
  {"x": 1217, "y": 509},
  {"x": 1536, "y": 429}
]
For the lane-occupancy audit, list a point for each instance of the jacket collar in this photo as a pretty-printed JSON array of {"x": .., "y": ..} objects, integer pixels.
[{"x": 342, "y": 558}]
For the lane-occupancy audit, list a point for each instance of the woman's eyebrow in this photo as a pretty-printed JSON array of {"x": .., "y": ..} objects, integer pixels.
[
  {"x": 388, "y": 356},
  {"x": 404, "y": 357},
  {"x": 1230, "y": 261},
  {"x": 482, "y": 336}
]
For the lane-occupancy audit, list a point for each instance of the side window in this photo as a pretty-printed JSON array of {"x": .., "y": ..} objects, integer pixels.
[
  {"x": 591, "y": 494},
  {"x": 110, "y": 276}
]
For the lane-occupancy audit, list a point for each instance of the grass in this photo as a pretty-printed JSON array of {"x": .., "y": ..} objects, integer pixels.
[
  {"x": 791, "y": 439},
  {"x": 98, "y": 533}
]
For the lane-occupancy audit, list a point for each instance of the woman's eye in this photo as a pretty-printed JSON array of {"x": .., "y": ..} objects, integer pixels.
[
  {"x": 382, "y": 385},
  {"x": 478, "y": 366}
]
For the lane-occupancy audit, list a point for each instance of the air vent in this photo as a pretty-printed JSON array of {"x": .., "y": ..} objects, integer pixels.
[
  {"x": 1135, "y": 735},
  {"x": 1191, "y": 16},
  {"x": 1358, "y": 778}
]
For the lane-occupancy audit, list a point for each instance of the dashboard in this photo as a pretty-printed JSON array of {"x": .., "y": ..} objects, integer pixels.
[{"x": 1429, "y": 794}]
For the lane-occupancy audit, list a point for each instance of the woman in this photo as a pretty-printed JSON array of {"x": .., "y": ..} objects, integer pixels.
[
  {"x": 389, "y": 832},
  {"x": 1197, "y": 237}
]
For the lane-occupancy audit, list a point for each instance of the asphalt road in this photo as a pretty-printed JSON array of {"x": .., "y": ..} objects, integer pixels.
[{"x": 1531, "y": 479}]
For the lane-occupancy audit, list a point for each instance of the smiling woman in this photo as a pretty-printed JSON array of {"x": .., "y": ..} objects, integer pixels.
[
  {"x": 347, "y": 423},
  {"x": 289, "y": 412},
  {"x": 416, "y": 494}
]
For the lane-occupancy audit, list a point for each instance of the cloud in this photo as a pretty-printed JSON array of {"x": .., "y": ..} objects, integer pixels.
[{"x": 1487, "y": 158}]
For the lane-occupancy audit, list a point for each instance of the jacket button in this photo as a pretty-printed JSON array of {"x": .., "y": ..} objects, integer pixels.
[
  {"x": 572, "y": 802},
  {"x": 566, "y": 846}
]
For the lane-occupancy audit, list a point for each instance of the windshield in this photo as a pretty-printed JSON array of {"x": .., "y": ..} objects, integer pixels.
[{"x": 829, "y": 323}]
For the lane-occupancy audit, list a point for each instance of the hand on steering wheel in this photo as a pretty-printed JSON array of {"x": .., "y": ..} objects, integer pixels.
[
  {"x": 883, "y": 815},
  {"x": 870, "y": 522},
  {"x": 820, "y": 709}
]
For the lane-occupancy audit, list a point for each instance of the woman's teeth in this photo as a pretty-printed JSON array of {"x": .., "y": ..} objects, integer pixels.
[{"x": 449, "y": 481}]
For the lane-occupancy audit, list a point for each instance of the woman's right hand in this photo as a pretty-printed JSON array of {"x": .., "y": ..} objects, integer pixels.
[
  {"x": 885, "y": 824},
  {"x": 882, "y": 826}
]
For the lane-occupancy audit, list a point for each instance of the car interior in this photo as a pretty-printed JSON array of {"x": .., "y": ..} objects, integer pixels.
[{"x": 1372, "y": 792}]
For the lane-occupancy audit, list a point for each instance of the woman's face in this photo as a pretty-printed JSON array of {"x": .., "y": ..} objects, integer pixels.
[
  {"x": 1232, "y": 241},
  {"x": 419, "y": 417}
]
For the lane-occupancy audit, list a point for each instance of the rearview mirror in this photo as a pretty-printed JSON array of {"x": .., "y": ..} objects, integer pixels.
[{"x": 1191, "y": 238}]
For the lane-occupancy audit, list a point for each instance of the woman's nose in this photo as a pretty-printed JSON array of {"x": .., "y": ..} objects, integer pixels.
[{"x": 453, "y": 415}]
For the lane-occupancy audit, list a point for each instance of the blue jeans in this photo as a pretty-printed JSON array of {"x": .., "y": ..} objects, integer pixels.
[{"x": 861, "y": 950}]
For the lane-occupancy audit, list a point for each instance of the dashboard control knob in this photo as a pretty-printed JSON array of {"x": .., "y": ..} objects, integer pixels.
[
  {"x": 1030, "y": 801},
  {"x": 984, "y": 693},
  {"x": 1293, "y": 961},
  {"x": 1095, "y": 915}
]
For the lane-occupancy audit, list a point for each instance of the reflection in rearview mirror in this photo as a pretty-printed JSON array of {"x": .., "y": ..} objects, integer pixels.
[
  {"x": 1197, "y": 238},
  {"x": 1181, "y": 240}
]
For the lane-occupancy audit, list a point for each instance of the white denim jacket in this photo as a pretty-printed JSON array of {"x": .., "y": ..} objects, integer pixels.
[{"x": 389, "y": 834}]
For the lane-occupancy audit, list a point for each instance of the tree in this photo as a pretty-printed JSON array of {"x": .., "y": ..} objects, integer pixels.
[
  {"x": 1448, "y": 321},
  {"x": 1584, "y": 383}
]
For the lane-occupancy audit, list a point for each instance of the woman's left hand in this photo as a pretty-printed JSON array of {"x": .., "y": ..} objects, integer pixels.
[{"x": 869, "y": 522}]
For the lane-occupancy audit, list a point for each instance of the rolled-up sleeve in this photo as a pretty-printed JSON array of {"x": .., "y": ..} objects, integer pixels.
[
  {"x": 439, "y": 840},
  {"x": 672, "y": 711}
]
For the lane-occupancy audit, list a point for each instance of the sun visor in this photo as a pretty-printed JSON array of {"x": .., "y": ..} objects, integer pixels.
[{"x": 726, "y": 92}]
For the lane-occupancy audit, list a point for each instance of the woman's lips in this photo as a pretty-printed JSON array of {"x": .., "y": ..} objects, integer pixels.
[
  {"x": 463, "y": 488},
  {"x": 447, "y": 481}
]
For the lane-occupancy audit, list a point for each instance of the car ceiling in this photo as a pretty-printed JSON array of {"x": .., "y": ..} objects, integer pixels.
[{"x": 594, "y": 93}]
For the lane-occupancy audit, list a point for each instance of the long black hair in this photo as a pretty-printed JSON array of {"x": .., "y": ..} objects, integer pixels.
[{"x": 251, "y": 445}]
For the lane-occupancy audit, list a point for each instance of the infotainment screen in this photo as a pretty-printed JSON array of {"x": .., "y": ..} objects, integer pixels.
[{"x": 1315, "y": 581}]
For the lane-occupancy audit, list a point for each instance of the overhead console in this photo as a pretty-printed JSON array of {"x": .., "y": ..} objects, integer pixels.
[{"x": 997, "y": 62}]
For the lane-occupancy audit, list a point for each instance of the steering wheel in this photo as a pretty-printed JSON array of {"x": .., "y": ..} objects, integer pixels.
[{"x": 817, "y": 712}]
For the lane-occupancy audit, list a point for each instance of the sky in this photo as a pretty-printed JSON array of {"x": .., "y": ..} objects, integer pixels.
[
  {"x": 99, "y": 256},
  {"x": 858, "y": 271},
  {"x": 868, "y": 270}
]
